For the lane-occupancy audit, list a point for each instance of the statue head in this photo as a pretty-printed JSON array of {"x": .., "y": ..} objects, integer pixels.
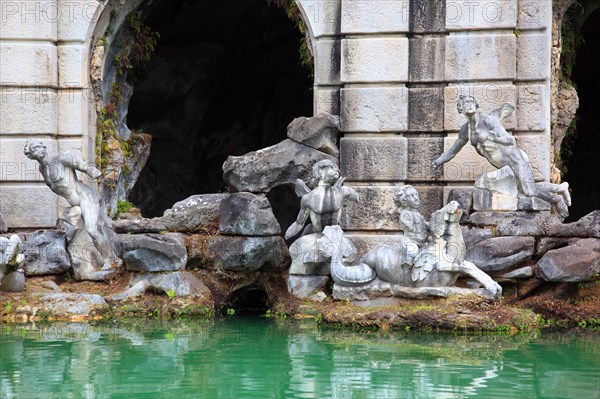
[
  {"x": 34, "y": 149},
  {"x": 407, "y": 197},
  {"x": 325, "y": 171},
  {"x": 466, "y": 103}
]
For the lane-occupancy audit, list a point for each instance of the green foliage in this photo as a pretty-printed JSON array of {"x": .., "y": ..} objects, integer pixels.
[
  {"x": 571, "y": 41},
  {"x": 230, "y": 311},
  {"x": 8, "y": 307},
  {"x": 293, "y": 13},
  {"x": 136, "y": 49},
  {"x": 171, "y": 294},
  {"x": 122, "y": 207}
]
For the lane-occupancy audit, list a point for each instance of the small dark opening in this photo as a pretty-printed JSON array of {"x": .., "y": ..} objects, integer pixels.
[
  {"x": 251, "y": 300},
  {"x": 285, "y": 204},
  {"x": 583, "y": 166},
  {"x": 225, "y": 79}
]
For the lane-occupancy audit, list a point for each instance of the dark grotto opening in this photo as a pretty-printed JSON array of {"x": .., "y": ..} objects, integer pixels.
[
  {"x": 251, "y": 300},
  {"x": 582, "y": 164},
  {"x": 225, "y": 79}
]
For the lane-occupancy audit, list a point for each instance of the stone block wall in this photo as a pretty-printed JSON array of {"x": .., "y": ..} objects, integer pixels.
[
  {"x": 403, "y": 64},
  {"x": 43, "y": 95}
]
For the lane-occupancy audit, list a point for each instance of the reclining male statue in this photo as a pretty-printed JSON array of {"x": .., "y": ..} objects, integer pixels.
[{"x": 494, "y": 143}]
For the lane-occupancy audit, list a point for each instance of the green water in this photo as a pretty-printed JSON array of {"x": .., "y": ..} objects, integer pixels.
[{"x": 264, "y": 358}]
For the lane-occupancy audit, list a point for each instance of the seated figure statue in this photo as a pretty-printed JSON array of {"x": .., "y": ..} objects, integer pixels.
[
  {"x": 494, "y": 143},
  {"x": 323, "y": 206},
  {"x": 434, "y": 259},
  {"x": 59, "y": 174}
]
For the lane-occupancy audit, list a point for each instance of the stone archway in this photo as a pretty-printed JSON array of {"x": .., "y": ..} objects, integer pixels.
[
  {"x": 266, "y": 64},
  {"x": 582, "y": 163},
  {"x": 224, "y": 79}
]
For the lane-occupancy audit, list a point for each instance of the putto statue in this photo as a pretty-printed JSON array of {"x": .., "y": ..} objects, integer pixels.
[
  {"x": 323, "y": 206},
  {"x": 494, "y": 143},
  {"x": 429, "y": 255},
  {"x": 84, "y": 215}
]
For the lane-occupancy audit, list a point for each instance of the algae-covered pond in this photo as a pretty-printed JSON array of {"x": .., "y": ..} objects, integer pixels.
[{"x": 267, "y": 358}]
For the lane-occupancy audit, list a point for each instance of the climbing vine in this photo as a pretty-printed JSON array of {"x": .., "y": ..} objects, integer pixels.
[
  {"x": 293, "y": 13},
  {"x": 133, "y": 53}
]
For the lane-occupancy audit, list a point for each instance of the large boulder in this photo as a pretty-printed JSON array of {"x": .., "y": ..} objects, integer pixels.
[
  {"x": 196, "y": 213},
  {"x": 238, "y": 253},
  {"x": 497, "y": 254},
  {"x": 320, "y": 132},
  {"x": 306, "y": 286},
  {"x": 248, "y": 215},
  {"x": 139, "y": 226},
  {"x": 181, "y": 284},
  {"x": 68, "y": 304},
  {"x": 13, "y": 281},
  {"x": 587, "y": 226},
  {"x": 152, "y": 252},
  {"x": 46, "y": 253},
  {"x": 262, "y": 170},
  {"x": 571, "y": 264}
]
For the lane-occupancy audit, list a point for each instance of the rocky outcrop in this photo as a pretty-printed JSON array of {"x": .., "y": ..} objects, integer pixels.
[
  {"x": 152, "y": 252},
  {"x": 248, "y": 253},
  {"x": 45, "y": 253},
  {"x": 138, "y": 226},
  {"x": 178, "y": 284},
  {"x": 574, "y": 263},
  {"x": 13, "y": 281},
  {"x": 262, "y": 170},
  {"x": 320, "y": 132},
  {"x": 497, "y": 254},
  {"x": 247, "y": 214},
  {"x": 72, "y": 305},
  {"x": 196, "y": 213}
]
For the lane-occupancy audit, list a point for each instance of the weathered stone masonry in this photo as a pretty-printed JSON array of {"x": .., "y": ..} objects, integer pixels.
[{"x": 392, "y": 70}]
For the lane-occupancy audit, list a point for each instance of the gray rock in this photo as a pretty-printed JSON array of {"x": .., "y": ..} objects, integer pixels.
[
  {"x": 249, "y": 253},
  {"x": 46, "y": 253},
  {"x": 262, "y": 170},
  {"x": 3, "y": 226},
  {"x": 51, "y": 285},
  {"x": 152, "y": 252},
  {"x": 464, "y": 196},
  {"x": 527, "y": 224},
  {"x": 474, "y": 235},
  {"x": 13, "y": 281},
  {"x": 501, "y": 253},
  {"x": 138, "y": 226},
  {"x": 305, "y": 286},
  {"x": 247, "y": 214},
  {"x": 548, "y": 243},
  {"x": 182, "y": 284},
  {"x": 196, "y": 213},
  {"x": 571, "y": 264},
  {"x": 320, "y": 132},
  {"x": 382, "y": 289},
  {"x": 587, "y": 226},
  {"x": 67, "y": 304},
  {"x": 523, "y": 272}
]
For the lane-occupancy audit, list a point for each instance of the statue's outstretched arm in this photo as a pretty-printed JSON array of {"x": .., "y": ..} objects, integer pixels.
[
  {"x": 71, "y": 160},
  {"x": 463, "y": 138}
]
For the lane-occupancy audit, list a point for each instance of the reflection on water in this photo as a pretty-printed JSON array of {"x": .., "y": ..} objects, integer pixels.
[{"x": 260, "y": 358}]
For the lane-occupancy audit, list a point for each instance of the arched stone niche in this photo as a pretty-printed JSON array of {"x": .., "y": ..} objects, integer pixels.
[
  {"x": 582, "y": 146},
  {"x": 179, "y": 78}
]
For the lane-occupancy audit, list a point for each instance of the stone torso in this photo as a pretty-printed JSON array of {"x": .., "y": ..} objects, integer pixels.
[
  {"x": 61, "y": 180},
  {"x": 325, "y": 204}
]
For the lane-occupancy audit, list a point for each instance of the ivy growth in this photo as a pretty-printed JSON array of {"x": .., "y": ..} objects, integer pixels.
[{"x": 293, "y": 13}]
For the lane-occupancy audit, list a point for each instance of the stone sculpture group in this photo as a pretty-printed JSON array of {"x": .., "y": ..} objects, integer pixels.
[{"x": 427, "y": 259}]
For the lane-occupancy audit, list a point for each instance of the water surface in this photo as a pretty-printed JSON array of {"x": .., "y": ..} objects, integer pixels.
[{"x": 265, "y": 358}]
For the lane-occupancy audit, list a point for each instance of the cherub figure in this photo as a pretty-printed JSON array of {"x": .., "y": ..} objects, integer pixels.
[
  {"x": 324, "y": 203},
  {"x": 494, "y": 143},
  {"x": 413, "y": 224},
  {"x": 59, "y": 174}
]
